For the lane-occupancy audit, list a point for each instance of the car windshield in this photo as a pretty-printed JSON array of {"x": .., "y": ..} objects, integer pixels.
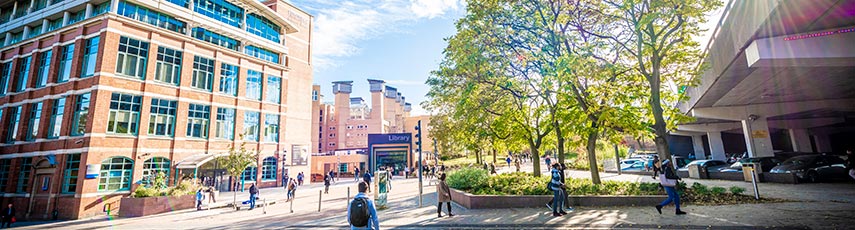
[{"x": 803, "y": 160}]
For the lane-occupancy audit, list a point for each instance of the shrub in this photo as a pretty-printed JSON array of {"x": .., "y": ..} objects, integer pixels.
[
  {"x": 717, "y": 191},
  {"x": 736, "y": 190},
  {"x": 467, "y": 178},
  {"x": 700, "y": 188},
  {"x": 145, "y": 192},
  {"x": 183, "y": 188}
]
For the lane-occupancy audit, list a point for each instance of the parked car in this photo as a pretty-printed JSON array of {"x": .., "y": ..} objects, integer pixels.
[
  {"x": 629, "y": 162},
  {"x": 813, "y": 168},
  {"x": 766, "y": 163},
  {"x": 709, "y": 165},
  {"x": 680, "y": 161},
  {"x": 637, "y": 166}
]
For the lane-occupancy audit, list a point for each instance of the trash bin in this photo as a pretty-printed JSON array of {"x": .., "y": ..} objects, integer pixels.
[
  {"x": 694, "y": 171},
  {"x": 748, "y": 169},
  {"x": 703, "y": 173}
]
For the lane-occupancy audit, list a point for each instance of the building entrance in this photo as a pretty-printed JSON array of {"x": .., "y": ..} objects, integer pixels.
[{"x": 392, "y": 161}]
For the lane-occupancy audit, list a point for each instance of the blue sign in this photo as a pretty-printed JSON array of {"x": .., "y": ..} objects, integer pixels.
[{"x": 394, "y": 138}]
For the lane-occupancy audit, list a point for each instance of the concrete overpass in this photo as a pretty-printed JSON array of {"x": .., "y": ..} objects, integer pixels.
[{"x": 781, "y": 73}]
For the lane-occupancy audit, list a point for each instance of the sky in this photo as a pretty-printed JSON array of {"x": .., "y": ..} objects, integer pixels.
[{"x": 399, "y": 41}]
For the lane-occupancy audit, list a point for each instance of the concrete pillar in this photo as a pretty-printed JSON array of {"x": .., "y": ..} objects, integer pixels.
[
  {"x": 823, "y": 143},
  {"x": 757, "y": 140},
  {"x": 114, "y": 6},
  {"x": 89, "y": 9},
  {"x": 65, "y": 17},
  {"x": 716, "y": 146},
  {"x": 698, "y": 146},
  {"x": 800, "y": 140}
]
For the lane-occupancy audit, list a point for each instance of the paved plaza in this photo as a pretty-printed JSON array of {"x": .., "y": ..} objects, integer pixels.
[{"x": 812, "y": 206}]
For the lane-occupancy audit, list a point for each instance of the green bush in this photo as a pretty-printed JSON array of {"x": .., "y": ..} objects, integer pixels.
[
  {"x": 183, "y": 188},
  {"x": 467, "y": 178},
  {"x": 522, "y": 183},
  {"x": 700, "y": 188},
  {"x": 718, "y": 190},
  {"x": 736, "y": 190},
  {"x": 145, "y": 192}
]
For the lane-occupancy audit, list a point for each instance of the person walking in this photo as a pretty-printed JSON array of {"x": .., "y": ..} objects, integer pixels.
[
  {"x": 668, "y": 179},
  {"x": 548, "y": 161},
  {"x": 253, "y": 195},
  {"x": 355, "y": 174},
  {"x": 443, "y": 194},
  {"x": 332, "y": 176},
  {"x": 517, "y": 164},
  {"x": 407, "y": 173},
  {"x": 492, "y": 168},
  {"x": 300, "y": 179},
  {"x": 361, "y": 213},
  {"x": 8, "y": 216},
  {"x": 655, "y": 165},
  {"x": 367, "y": 178},
  {"x": 508, "y": 160},
  {"x": 327, "y": 180},
  {"x": 557, "y": 191},
  {"x": 850, "y": 163},
  {"x": 211, "y": 198},
  {"x": 292, "y": 187},
  {"x": 199, "y": 199}
]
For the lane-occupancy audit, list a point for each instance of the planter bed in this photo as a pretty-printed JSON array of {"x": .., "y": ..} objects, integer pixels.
[
  {"x": 472, "y": 201},
  {"x": 134, "y": 207}
]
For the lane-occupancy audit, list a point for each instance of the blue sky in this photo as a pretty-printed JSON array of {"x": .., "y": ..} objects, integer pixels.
[{"x": 399, "y": 41}]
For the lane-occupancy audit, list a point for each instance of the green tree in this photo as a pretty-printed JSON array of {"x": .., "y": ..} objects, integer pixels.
[
  {"x": 656, "y": 39},
  {"x": 237, "y": 160}
]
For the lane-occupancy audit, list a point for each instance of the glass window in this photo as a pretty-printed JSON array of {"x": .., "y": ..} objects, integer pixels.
[
  {"x": 253, "y": 85},
  {"x": 274, "y": 88},
  {"x": 162, "y": 119},
  {"x": 124, "y": 114},
  {"x": 24, "y": 175},
  {"x": 38, "y": 5},
  {"x": 23, "y": 74},
  {"x": 66, "y": 54},
  {"x": 5, "y": 165},
  {"x": 76, "y": 17},
  {"x": 14, "y": 120},
  {"x": 115, "y": 174},
  {"x": 220, "y": 10},
  {"x": 168, "y": 67},
  {"x": 5, "y": 74},
  {"x": 81, "y": 115},
  {"x": 342, "y": 168},
  {"x": 271, "y": 128},
  {"x": 23, "y": 5},
  {"x": 16, "y": 37},
  {"x": 55, "y": 24},
  {"x": 225, "y": 123},
  {"x": 5, "y": 16},
  {"x": 249, "y": 173},
  {"x": 250, "y": 126},
  {"x": 203, "y": 73},
  {"x": 44, "y": 69},
  {"x": 72, "y": 168},
  {"x": 262, "y": 27},
  {"x": 268, "y": 169},
  {"x": 35, "y": 31},
  {"x": 35, "y": 120},
  {"x": 90, "y": 56},
  {"x": 315, "y": 97},
  {"x": 132, "y": 57},
  {"x": 151, "y": 17},
  {"x": 197, "y": 120},
  {"x": 56, "y": 116},
  {"x": 100, "y": 8},
  {"x": 182, "y": 3},
  {"x": 152, "y": 167},
  {"x": 215, "y": 38},
  {"x": 262, "y": 54},
  {"x": 228, "y": 79}
]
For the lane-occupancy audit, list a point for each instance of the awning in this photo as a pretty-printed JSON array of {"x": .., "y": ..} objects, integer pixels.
[{"x": 195, "y": 161}]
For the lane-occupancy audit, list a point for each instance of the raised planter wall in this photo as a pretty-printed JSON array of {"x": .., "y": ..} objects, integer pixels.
[
  {"x": 134, "y": 207},
  {"x": 735, "y": 176},
  {"x": 472, "y": 201}
]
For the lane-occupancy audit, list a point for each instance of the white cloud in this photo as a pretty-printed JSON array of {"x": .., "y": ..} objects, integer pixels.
[
  {"x": 432, "y": 8},
  {"x": 341, "y": 25}
]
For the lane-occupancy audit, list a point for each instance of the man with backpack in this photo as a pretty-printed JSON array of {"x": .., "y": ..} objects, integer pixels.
[
  {"x": 253, "y": 194},
  {"x": 367, "y": 178},
  {"x": 361, "y": 213}
]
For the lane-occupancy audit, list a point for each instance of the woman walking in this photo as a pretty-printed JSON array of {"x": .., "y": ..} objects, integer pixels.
[
  {"x": 443, "y": 194},
  {"x": 669, "y": 179}
]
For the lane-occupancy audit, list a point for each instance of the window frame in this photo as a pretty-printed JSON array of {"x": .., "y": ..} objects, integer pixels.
[
  {"x": 65, "y": 59},
  {"x": 135, "y": 53},
  {"x": 117, "y": 101},
  {"x": 56, "y": 116},
  {"x": 203, "y": 73},
  {"x": 125, "y": 177},
  {"x": 81, "y": 114},
  {"x": 229, "y": 75},
  {"x": 198, "y": 115},
  {"x": 268, "y": 169},
  {"x": 168, "y": 60},
  {"x": 248, "y": 117},
  {"x": 254, "y": 81},
  {"x": 72, "y": 169},
  {"x": 224, "y": 125},
  {"x": 35, "y": 120},
  {"x": 274, "y": 89},
  {"x": 271, "y": 128},
  {"x": 90, "y": 57},
  {"x": 162, "y": 109}
]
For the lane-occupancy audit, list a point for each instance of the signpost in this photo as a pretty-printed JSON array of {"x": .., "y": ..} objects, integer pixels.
[{"x": 419, "y": 150}]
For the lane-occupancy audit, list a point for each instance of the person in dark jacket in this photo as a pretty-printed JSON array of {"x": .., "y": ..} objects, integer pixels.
[
  {"x": 367, "y": 178},
  {"x": 327, "y": 184},
  {"x": 7, "y": 216},
  {"x": 557, "y": 188},
  {"x": 253, "y": 194},
  {"x": 850, "y": 163},
  {"x": 669, "y": 179}
]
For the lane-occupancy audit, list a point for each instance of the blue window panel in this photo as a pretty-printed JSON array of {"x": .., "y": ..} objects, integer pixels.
[
  {"x": 251, "y": 126},
  {"x": 115, "y": 174},
  {"x": 228, "y": 79},
  {"x": 215, "y": 38},
  {"x": 253, "y": 85},
  {"x": 66, "y": 54},
  {"x": 23, "y": 74},
  {"x": 72, "y": 167},
  {"x": 262, "y": 53},
  {"x": 5, "y": 76},
  {"x": 221, "y": 11},
  {"x": 268, "y": 169},
  {"x": 151, "y": 17},
  {"x": 182, "y": 3},
  {"x": 90, "y": 56},
  {"x": 43, "y": 69},
  {"x": 262, "y": 27},
  {"x": 249, "y": 173}
]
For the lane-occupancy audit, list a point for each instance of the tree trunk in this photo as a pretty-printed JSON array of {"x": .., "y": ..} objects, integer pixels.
[
  {"x": 494, "y": 155},
  {"x": 659, "y": 127},
  {"x": 592, "y": 154},
  {"x": 478, "y": 157},
  {"x": 560, "y": 138},
  {"x": 234, "y": 196},
  {"x": 535, "y": 158}
]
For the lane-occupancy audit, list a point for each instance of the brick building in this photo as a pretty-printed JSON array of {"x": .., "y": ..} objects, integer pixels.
[{"x": 96, "y": 96}]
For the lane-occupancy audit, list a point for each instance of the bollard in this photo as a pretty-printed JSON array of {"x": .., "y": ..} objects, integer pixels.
[
  {"x": 348, "y": 196},
  {"x": 754, "y": 181},
  {"x": 319, "y": 200},
  {"x": 264, "y": 205}
]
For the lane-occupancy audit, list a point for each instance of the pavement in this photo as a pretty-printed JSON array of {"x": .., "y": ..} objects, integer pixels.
[{"x": 813, "y": 206}]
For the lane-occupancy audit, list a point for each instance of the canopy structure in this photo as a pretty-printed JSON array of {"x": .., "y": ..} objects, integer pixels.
[{"x": 195, "y": 161}]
